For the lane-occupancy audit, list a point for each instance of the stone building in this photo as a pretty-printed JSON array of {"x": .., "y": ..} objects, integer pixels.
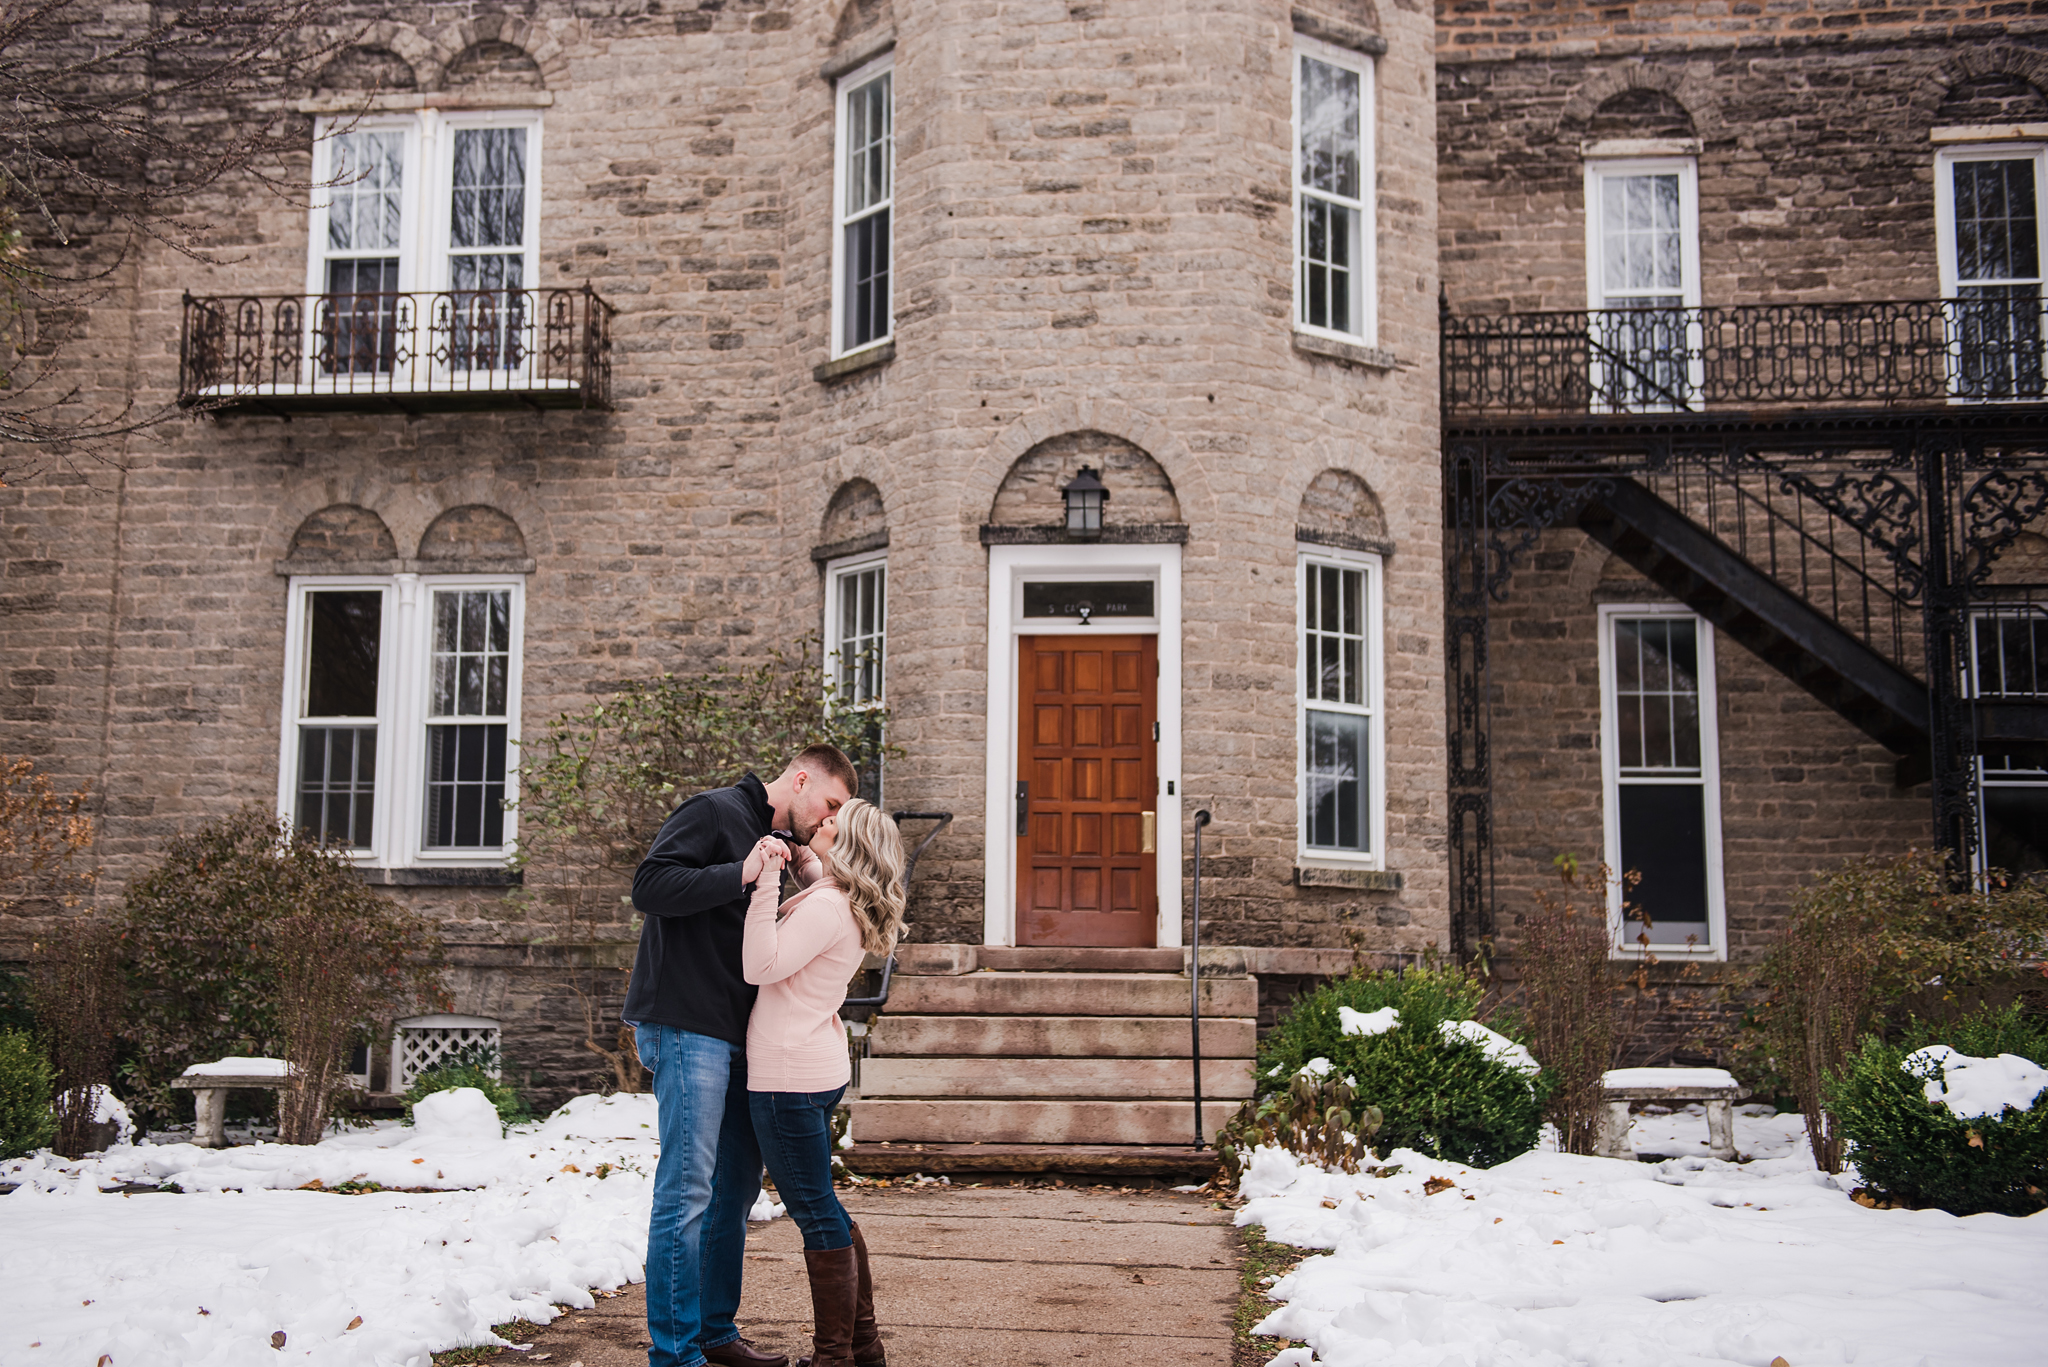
[
  {"x": 633, "y": 339},
  {"x": 1750, "y": 586},
  {"x": 627, "y": 342}
]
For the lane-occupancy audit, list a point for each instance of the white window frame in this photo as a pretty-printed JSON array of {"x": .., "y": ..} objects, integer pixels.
[
  {"x": 1687, "y": 170},
  {"x": 1367, "y": 204},
  {"x": 1374, "y": 709},
  {"x": 1945, "y": 236},
  {"x": 1620, "y": 933},
  {"x": 837, "y": 572},
  {"x": 1988, "y": 777},
  {"x": 841, "y": 295},
  {"x": 426, "y": 206},
  {"x": 405, "y": 652}
]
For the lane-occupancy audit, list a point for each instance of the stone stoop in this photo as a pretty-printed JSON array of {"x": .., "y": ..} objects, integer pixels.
[{"x": 989, "y": 1059}]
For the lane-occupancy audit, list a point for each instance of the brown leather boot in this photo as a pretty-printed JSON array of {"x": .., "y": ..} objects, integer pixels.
[
  {"x": 740, "y": 1353},
  {"x": 835, "y": 1290},
  {"x": 867, "y": 1338}
]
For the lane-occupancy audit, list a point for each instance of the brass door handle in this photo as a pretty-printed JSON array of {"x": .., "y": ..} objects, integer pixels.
[{"x": 1148, "y": 832}]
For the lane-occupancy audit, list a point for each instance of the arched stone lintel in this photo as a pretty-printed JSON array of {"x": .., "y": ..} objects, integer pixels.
[
  {"x": 1966, "y": 64},
  {"x": 408, "y": 508},
  {"x": 1148, "y": 434},
  {"x": 1692, "y": 85}
]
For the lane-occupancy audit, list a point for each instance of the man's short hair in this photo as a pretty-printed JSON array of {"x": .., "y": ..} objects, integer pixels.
[{"x": 827, "y": 761}]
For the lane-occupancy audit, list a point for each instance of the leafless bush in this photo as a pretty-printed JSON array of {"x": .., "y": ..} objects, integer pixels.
[
  {"x": 45, "y": 839},
  {"x": 78, "y": 988},
  {"x": 1571, "y": 990}
]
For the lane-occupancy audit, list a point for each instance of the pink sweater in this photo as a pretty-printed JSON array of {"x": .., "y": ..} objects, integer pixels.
[{"x": 802, "y": 960}]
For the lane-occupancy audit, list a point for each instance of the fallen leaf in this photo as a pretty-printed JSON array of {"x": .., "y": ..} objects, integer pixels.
[
  {"x": 355, "y": 1323},
  {"x": 1328, "y": 1204},
  {"x": 1470, "y": 1197},
  {"x": 1437, "y": 1184},
  {"x": 106, "y": 1359},
  {"x": 1557, "y": 1241},
  {"x": 277, "y": 1340},
  {"x": 1780, "y": 1362},
  {"x": 1497, "y": 1219},
  {"x": 571, "y": 1167},
  {"x": 422, "y": 1160}
]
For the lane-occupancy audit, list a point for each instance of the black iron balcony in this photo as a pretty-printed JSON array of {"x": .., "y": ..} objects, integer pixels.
[
  {"x": 421, "y": 352},
  {"x": 1985, "y": 349}
]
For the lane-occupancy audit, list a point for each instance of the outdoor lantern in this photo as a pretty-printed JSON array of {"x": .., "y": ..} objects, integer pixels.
[{"x": 1085, "y": 497}]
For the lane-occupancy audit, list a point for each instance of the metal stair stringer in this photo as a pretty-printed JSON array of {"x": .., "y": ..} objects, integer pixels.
[{"x": 1786, "y": 632}]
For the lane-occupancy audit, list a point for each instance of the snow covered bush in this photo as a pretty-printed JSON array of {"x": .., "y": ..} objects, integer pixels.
[
  {"x": 470, "y": 1067},
  {"x": 26, "y": 1121},
  {"x": 1407, "y": 1045},
  {"x": 1943, "y": 1125}
]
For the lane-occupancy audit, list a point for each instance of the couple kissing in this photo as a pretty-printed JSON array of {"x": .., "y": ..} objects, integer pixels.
[{"x": 734, "y": 1004}]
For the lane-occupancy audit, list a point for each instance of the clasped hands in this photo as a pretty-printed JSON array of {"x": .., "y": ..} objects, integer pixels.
[{"x": 770, "y": 855}]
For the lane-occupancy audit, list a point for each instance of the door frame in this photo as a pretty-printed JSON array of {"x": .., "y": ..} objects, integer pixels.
[{"x": 1008, "y": 567}]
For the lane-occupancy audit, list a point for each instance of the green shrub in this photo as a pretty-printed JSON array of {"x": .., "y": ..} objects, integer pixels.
[
  {"x": 26, "y": 1121},
  {"x": 469, "y": 1068},
  {"x": 1915, "y": 1152},
  {"x": 1984, "y": 1034},
  {"x": 1445, "y": 1098}
]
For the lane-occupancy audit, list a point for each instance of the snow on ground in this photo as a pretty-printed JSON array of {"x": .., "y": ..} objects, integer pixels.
[
  {"x": 515, "y": 1225},
  {"x": 1554, "y": 1259}
]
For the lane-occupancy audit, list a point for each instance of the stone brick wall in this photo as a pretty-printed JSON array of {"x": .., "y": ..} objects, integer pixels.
[
  {"x": 1092, "y": 238},
  {"x": 1816, "y": 173},
  {"x": 1498, "y": 30}
]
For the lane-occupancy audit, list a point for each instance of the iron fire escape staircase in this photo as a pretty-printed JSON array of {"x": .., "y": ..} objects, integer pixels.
[{"x": 1811, "y": 648}]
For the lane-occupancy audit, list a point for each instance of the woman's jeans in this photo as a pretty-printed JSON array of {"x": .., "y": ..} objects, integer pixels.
[
  {"x": 704, "y": 1186},
  {"x": 795, "y": 1130}
]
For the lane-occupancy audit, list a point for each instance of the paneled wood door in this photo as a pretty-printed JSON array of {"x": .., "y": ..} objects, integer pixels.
[{"x": 1087, "y": 871}]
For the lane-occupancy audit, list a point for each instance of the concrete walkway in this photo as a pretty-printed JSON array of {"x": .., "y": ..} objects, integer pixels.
[{"x": 999, "y": 1277}]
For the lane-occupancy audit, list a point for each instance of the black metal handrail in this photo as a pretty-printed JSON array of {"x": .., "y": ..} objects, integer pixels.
[
  {"x": 1691, "y": 360},
  {"x": 444, "y": 342},
  {"x": 1195, "y": 979},
  {"x": 867, "y": 1006}
]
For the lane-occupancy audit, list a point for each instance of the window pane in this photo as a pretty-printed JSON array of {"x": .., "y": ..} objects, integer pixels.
[
  {"x": 344, "y": 630},
  {"x": 1656, "y": 694},
  {"x": 868, "y": 145},
  {"x": 2016, "y": 828},
  {"x": 358, "y": 320},
  {"x": 1664, "y": 838},
  {"x": 1329, "y": 128},
  {"x": 1330, "y": 289},
  {"x": 1997, "y": 235},
  {"x": 465, "y": 786},
  {"x": 337, "y": 783},
  {"x": 867, "y": 279},
  {"x": 1642, "y": 237},
  {"x": 861, "y": 636},
  {"x": 488, "y": 204},
  {"x": 366, "y": 197},
  {"x": 1335, "y": 781},
  {"x": 472, "y": 652}
]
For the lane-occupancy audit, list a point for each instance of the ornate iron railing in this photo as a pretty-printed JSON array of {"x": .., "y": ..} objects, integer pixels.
[
  {"x": 1697, "y": 360},
  {"x": 422, "y": 349}
]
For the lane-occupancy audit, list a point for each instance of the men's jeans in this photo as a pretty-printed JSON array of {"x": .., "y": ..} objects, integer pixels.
[
  {"x": 704, "y": 1185},
  {"x": 795, "y": 1130}
]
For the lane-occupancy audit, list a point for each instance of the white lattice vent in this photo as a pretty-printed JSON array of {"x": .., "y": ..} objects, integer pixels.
[{"x": 420, "y": 1042}]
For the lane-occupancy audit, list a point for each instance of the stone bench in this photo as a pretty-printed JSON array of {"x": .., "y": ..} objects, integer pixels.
[
  {"x": 210, "y": 1084},
  {"x": 1716, "y": 1087}
]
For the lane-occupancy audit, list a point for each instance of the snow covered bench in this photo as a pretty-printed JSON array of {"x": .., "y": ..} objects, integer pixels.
[
  {"x": 210, "y": 1084},
  {"x": 1716, "y": 1087}
]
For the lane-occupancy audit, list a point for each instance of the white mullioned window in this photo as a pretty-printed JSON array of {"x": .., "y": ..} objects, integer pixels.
[
  {"x": 1643, "y": 257},
  {"x": 856, "y": 629},
  {"x": 2009, "y": 661},
  {"x": 426, "y": 202},
  {"x": 1990, "y": 203},
  {"x": 1660, "y": 768},
  {"x": 401, "y": 711},
  {"x": 1335, "y": 250},
  {"x": 1342, "y": 717},
  {"x": 863, "y": 203}
]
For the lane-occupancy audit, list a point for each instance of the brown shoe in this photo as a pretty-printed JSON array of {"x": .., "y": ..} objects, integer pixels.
[
  {"x": 740, "y": 1353},
  {"x": 835, "y": 1289},
  {"x": 867, "y": 1338}
]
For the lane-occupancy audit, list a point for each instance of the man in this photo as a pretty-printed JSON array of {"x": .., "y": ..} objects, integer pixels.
[{"x": 688, "y": 1005}]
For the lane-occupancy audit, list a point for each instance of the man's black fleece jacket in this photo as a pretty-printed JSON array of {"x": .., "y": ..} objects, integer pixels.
[{"x": 687, "y": 973}]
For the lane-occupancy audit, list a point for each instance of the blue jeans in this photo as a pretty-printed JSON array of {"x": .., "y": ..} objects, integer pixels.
[
  {"x": 795, "y": 1130},
  {"x": 704, "y": 1185}
]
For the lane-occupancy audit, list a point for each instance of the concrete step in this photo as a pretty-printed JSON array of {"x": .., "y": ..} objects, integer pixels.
[
  {"x": 957, "y": 1121},
  {"x": 1060, "y": 1036},
  {"x": 1086, "y": 1160},
  {"x": 1069, "y": 994},
  {"x": 1069, "y": 1078},
  {"x": 1003, "y": 959}
]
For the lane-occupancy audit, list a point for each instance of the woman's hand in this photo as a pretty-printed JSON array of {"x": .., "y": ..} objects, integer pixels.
[{"x": 768, "y": 856}]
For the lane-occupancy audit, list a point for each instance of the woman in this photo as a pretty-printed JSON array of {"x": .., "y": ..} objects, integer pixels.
[{"x": 801, "y": 956}]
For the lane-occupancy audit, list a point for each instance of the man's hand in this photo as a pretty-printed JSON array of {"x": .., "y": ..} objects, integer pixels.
[{"x": 767, "y": 856}]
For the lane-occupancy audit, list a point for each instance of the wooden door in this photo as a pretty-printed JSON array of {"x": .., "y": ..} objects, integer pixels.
[{"x": 1087, "y": 867}]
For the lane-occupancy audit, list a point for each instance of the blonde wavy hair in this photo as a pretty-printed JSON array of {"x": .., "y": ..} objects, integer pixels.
[{"x": 866, "y": 862}]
